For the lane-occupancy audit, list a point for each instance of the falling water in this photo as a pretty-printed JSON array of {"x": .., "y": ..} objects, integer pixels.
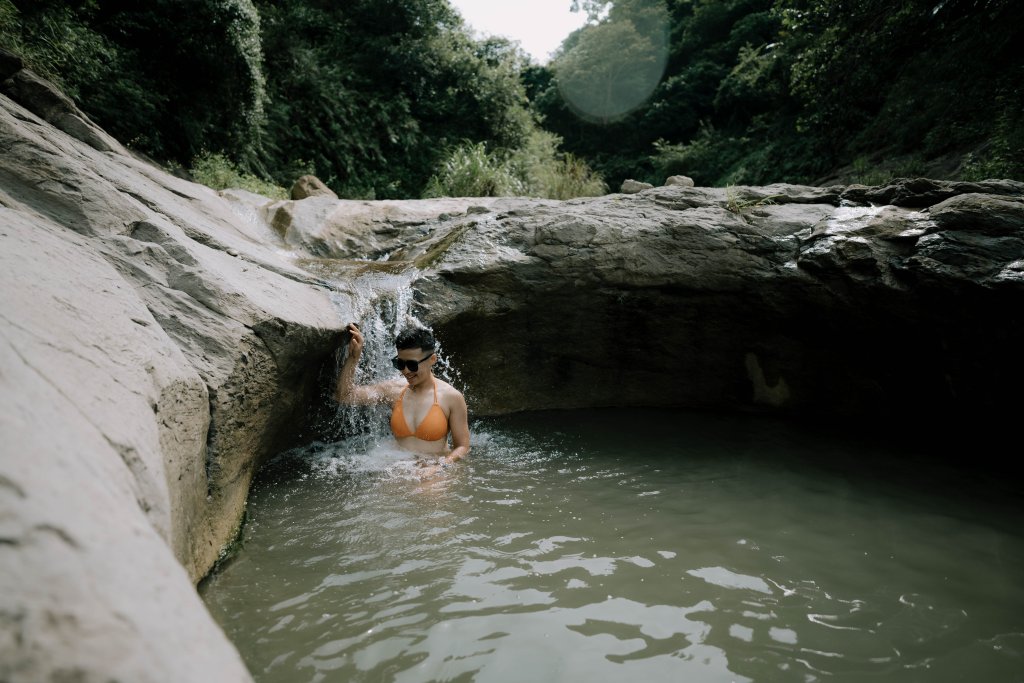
[{"x": 383, "y": 298}]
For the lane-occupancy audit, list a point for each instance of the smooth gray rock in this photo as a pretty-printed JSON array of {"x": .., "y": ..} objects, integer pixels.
[
  {"x": 104, "y": 425},
  {"x": 631, "y": 186},
  {"x": 157, "y": 346},
  {"x": 685, "y": 181},
  {"x": 784, "y": 299}
]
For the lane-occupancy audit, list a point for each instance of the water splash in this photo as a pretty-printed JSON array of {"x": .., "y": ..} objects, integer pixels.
[{"x": 384, "y": 303}]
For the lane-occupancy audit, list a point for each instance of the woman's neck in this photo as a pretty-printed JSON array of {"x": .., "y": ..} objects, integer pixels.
[{"x": 427, "y": 383}]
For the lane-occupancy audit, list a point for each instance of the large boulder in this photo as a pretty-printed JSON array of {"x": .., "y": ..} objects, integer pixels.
[
  {"x": 683, "y": 180},
  {"x": 630, "y": 186},
  {"x": 156, "y": 348},
  {"x": 784, "y": 299}
]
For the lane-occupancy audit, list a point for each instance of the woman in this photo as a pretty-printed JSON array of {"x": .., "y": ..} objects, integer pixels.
[{"x": 425, "y": 409}]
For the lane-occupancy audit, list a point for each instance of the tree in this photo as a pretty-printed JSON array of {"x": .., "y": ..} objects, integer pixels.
[
  {"x": 708, "y": 43},
  {"x": 373, "y": 93},
  {"x": 922, "y": 77},
  {"x": 167, "y": 77}
]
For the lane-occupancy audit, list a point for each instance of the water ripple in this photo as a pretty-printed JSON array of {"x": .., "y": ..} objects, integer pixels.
[{"x": 553, "y": 558}]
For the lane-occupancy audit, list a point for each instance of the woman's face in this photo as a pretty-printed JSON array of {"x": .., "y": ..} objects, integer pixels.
[{"x": 423, "y": 365}]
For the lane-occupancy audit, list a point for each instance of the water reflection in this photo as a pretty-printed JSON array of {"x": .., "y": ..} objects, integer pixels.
[{"x": 559, "y": 552}]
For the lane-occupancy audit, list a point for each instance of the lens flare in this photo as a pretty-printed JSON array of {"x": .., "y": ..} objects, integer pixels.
[{"x": 614, "y": 65}]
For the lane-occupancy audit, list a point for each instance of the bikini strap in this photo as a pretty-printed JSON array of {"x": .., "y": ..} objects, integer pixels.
[{"x": 433, "y": 383}]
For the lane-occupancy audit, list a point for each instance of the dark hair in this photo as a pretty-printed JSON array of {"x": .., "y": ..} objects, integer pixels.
[{"x": 415, "y": 338}]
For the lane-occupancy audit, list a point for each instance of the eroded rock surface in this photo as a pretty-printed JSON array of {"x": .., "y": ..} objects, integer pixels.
[
  {"x": 156, "y": 349},
  {"x": 327, "y": 227},
  {"x": 779, "y": 298}
]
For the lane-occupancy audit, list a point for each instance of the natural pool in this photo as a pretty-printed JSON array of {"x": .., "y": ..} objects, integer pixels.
[{"x": 636, "y": 545}]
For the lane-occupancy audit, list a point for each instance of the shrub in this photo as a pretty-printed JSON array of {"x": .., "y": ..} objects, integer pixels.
[
  {"x": 471, "y": 171},
  {"x": 220, "y": 173},
  {"x": 535, "y": 169},
  {"x": 708, "y": 158},
  {"x": 1003, "y": 156},
  {"x": 548, "y": 173}
]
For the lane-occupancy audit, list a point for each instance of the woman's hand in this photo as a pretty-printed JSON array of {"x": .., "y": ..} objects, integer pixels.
[{"x": 355, "y": 341}]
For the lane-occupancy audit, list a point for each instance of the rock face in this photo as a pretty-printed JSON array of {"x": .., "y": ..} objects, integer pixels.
[
  {"x": 54, "y": 107},
  {"x": 155, "y": 350},
  {"x": 782, "y": 299},
  {"x": 326, "y": 227}
]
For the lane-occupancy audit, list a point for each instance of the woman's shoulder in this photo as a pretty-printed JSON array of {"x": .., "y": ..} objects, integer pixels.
[{"x": 447, "y": 392}]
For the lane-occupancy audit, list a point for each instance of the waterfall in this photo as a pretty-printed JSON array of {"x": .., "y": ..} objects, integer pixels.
[{"x": 384, "y": 303}]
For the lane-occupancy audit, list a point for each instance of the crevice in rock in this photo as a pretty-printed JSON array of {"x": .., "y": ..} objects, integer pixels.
[
  {"x": 11, "y": 486},
  {"x": 137, "y": 467},
  {"x": 212, "y": 464},
  {"x": 59, "y": 533}
]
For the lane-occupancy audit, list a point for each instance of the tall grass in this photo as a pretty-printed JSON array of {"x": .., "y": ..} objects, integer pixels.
[
  {"x": 219, "y": 173},
  {"x": 536, "y": 169},
  {"x": 551, "y": 174},
  {"x": 472, "y": 171},
  {"x": 1003, "y": 156}
]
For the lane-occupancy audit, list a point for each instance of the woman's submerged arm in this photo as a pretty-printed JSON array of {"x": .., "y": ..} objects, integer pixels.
[{"x": 458, "y": 422}]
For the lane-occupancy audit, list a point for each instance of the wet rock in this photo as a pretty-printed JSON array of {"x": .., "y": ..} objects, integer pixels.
[
  {"x": 360, "y": 229},
  {"x": 987, "y": 214},
  {"x": 925, "y": 192}
]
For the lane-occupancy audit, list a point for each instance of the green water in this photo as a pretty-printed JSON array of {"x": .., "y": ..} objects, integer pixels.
[{"x": 630, "y": 546}]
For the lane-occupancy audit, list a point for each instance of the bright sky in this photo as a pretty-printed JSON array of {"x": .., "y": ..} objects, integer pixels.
[{"x": 538, "y": 25}]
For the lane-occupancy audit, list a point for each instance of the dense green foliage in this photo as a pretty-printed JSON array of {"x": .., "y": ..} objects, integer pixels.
[
  {"x": 759, "y": 91},
  {"x": 170, "y": 78},
  {"x": 220, "y": 173},
  {"x": 371, "y": 95},
  {"x": 393, "y": 98}
]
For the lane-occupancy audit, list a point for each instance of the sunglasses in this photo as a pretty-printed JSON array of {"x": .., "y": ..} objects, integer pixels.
[{"x": 413, "y": 365}]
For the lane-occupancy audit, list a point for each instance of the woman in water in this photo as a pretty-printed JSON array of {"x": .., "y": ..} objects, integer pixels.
[{"x": 425, "y": 409}]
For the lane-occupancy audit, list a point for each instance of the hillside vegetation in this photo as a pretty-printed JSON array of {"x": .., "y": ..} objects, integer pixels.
[{"x": 395, "y": 98}]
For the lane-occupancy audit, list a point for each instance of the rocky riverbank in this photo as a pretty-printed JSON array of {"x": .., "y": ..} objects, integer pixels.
[{"x": 156, "y": 349}]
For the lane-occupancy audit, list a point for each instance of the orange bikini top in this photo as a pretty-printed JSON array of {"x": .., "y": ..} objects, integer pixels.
[{"x": 434, "y": 426}]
